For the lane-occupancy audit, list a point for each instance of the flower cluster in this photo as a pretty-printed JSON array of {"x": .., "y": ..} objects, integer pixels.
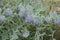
[{"x": 24, "y": 13}]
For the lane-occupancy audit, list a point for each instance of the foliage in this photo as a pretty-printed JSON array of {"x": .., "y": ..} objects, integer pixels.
[{"x": 27, "y": 20}]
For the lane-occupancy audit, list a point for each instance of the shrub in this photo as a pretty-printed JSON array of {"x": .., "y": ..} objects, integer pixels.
[{"x": 29, "y": 21}]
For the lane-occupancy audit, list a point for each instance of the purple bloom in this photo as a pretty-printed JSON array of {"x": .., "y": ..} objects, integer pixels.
[
  {"x": 36, "y": 21},
  {"x": 8, "y": 12},
  {"x": 2, "y": 18},
  {"x": 28, "y": 18},
  {"x": 25, "y": 11},
  {"x": 47, "y": 20},
  {"x": 54, "y": 14},
  {"x": 57, "y": 21},
  {"x": 25, "y": 34}
]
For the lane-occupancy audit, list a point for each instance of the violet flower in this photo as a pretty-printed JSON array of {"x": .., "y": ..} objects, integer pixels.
[
  {"x": 48, "y": 20},
  {"x": 2, "y": 18},
  {"x": 8, "y": 12},
  {"x": 57, "y": 21},
  {"x": 23, "y": 13},
  {"x": 36, "y": 21},
  {"x": 54, "y": 14},
  {"x": 28, "y": 18}
]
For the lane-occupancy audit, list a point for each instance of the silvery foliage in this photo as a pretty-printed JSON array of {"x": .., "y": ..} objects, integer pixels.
[
  {"x": 0, "y": 10},
  {"x": 38, "y": 36},
  {"x": 20, "y": 7},
  {"x": 25, "y": 34},
  {"x": 10, "y": 30},
  {"x": 14, "y": 36}
]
